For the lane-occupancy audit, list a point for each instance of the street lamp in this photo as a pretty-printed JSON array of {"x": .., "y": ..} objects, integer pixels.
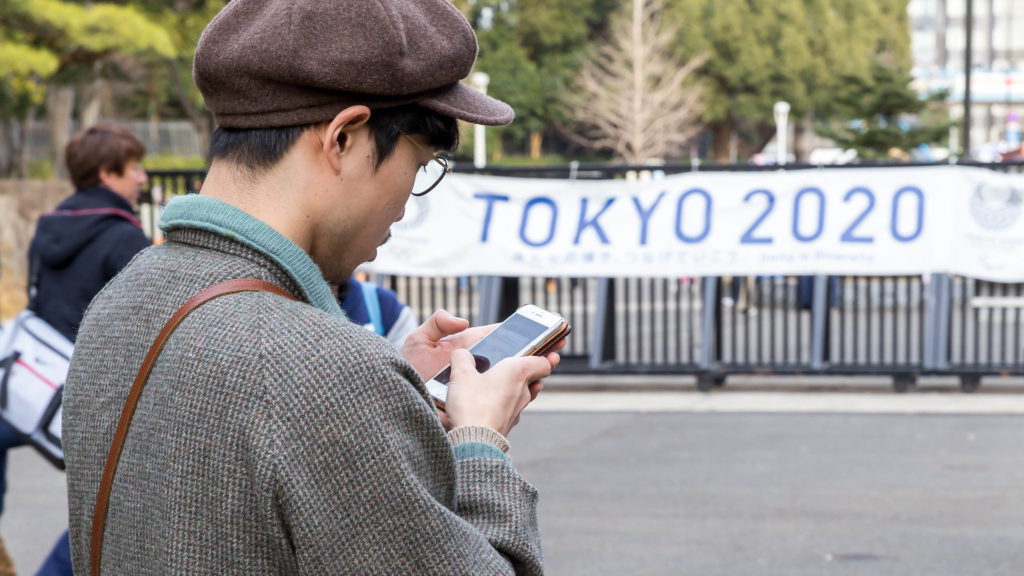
[
  {"x": 781, "y": 110},
  {"x": 479, "y": 81}
]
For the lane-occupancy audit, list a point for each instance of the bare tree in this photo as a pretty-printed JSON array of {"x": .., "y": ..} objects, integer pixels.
[
  {"x": 632, "y": 97},
  {"x": 60, "y": 105}
]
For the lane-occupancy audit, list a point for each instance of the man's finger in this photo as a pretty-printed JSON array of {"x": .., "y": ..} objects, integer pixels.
[
  {"x": 441, "y": 323},
  {"x": 470, "y": 336},
  {"x": 534, "y": 368},
  {"x": 462, "y": 361},
  {"x": 535, "y": 387},
  {"x": 559, "y": 345}
]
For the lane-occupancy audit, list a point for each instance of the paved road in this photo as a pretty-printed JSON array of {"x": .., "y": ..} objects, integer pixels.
[
  {"x": 787, "y": 494},
  {"x": 691, "y": 484}
]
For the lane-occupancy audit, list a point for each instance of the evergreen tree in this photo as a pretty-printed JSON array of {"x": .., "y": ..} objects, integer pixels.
[
  {"x": 531, "y": 49},
  {"x": 883, "y": 114},
  {"x": 800, "y": 51}
]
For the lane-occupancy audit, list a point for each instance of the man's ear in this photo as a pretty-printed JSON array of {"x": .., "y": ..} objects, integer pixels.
[
  {"x": 338, "y": 137},
  {"x": 105, "y": 176}
]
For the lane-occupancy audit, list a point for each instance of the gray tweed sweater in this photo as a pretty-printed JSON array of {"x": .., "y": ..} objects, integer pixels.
[{"x": 272, "y": 438}]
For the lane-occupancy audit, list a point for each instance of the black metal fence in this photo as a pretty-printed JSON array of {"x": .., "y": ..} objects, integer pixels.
[
  {"x": 985, "y": 322},
  {"x": 712, "y": 327}
]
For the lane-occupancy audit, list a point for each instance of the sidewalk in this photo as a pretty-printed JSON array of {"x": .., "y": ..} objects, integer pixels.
[
  {"x": 779, "y": 402},
  {"x": 777, "y": 394},
  {"x": 771, "y": 383}
]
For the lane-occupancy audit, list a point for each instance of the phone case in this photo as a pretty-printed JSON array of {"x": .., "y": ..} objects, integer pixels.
[{"x": 553, "y": 341}]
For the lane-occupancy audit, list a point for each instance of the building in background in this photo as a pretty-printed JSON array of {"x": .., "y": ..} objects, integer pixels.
[{"x": 938, "y": 41}]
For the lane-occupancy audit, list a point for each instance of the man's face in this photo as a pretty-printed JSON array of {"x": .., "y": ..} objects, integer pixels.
[
  {"x": 128, "y": 184},
  {"x": 373, "y": 200}
]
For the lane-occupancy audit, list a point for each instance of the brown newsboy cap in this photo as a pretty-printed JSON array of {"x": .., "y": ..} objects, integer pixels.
[{"x": 270, "y": 63}]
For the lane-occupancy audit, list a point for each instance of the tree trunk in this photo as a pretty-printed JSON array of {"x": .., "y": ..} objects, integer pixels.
[
  {"x": 496, "y": 150},
  {"x": 205, "y": 128},
  {"x": 60, "y": 104},
  {"x": 536, "y": 138},
  {"x": 802, "y": 138},
  {"x": 201, "y": 120},
  {"x": 92, "y": 105},
  {"x": 765, "y": 133},
  {"x": 721, "y": 133},
  {"x": 21, "y": 150},
  {"x": 12, "y": 148},
  {"x": 637, "y": 137},
  {"x": 6, "y": 148}
]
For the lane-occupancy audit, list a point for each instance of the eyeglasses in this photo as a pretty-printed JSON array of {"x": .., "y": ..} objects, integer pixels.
[{"x": 431, "y": 174}]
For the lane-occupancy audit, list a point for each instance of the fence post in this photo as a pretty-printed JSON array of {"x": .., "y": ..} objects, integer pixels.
[
  {"x": 943, "y": 309},
  {"x": 819, "y": 309},
  {"x": 936, "y": 322},
  {"x": 508, "y": 303},
  {"x": 490, "y": 299},
  {"x": 709, "y": 328},
  {"x": 499, "y": 298},
  {"x": 604, "y": 324},
  {"x": 928, "y": 293}
]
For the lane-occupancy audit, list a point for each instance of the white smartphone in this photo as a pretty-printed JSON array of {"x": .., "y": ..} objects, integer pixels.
[{"x": 530, "y": 331}]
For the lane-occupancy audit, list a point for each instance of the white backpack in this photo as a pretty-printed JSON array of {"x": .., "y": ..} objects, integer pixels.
[{"x": 34, "y": 361}]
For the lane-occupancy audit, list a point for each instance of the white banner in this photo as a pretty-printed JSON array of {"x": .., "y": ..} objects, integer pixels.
[{"x": 854, "y": 221}]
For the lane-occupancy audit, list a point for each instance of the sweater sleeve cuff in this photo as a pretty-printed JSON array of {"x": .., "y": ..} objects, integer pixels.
[
  {"x": 482, "y": 434},
  {"x": 468, "y": 450}
]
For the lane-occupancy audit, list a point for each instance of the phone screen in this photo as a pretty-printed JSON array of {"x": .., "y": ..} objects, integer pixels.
[{"x": 506, "y": 340}]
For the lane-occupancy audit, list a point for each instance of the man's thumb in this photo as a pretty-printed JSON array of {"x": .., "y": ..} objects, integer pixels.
[
  {"x": 441, "y": 323},
  {"x": 462, "y": 361}
]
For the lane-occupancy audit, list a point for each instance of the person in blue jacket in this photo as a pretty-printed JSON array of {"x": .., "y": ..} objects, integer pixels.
[
  {"x": 378, "y": 309},
  {"x": 78, "y": 248},
  {"x": 91, "y": 235}
]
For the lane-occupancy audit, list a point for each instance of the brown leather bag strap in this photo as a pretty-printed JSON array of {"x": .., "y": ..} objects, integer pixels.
[{"x": 103, "y": 498}]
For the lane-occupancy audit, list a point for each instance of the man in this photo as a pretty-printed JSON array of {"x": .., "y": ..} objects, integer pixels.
[
  {"x": 78, "y": 248},
  {"x": 274, "y": 436}
]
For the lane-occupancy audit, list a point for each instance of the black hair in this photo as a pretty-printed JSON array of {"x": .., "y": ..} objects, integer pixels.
[
  {"x": 388, "y": 124},
  {"x": 257, "y": 150}
]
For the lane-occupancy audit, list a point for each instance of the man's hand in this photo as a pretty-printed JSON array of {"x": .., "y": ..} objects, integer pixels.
[
  {"x": 497, "y": 397},
  {"x": 429, "y": 348}
]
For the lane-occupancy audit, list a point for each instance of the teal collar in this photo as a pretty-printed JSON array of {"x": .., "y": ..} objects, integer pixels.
[{"x": 212, "y": 215}]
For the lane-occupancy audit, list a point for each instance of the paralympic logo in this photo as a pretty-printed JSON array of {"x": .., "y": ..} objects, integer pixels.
[{"x": 996, "y": 206}]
